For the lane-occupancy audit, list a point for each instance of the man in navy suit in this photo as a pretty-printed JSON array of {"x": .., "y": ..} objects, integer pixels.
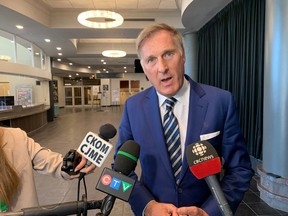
[{"x": 203, "y": 112}]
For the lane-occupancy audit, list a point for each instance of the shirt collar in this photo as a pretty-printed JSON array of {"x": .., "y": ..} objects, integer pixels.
[{"x": 180, "y": 94}]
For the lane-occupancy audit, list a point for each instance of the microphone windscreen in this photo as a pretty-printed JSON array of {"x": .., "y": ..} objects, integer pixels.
[
  {"x": 203, "y": 159},
  {"x": 126, "y": 158},
  {"x": 107, "y": 131}
]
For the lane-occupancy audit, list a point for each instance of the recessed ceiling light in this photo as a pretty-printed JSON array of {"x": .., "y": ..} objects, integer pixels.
[
  {"x": 58, "y": 59},
  {"x": 60, "y": 54},
  {"x": 58, "y": 48},
  {"x": 70, "y": 63},
  {"x": 19, "y": 27},
  {"x": 114, "y": 53},
  {"x": 47, "y": 40}
]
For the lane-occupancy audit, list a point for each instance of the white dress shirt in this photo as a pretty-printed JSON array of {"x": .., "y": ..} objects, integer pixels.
[{"x": 181, "y": 110}]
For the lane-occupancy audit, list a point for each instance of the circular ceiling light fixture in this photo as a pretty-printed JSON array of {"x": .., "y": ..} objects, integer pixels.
[
  {"x": 114, "y": 53},
  {"x": 110, "y": 19}
]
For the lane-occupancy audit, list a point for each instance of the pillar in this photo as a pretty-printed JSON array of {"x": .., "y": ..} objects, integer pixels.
[
  {"x": 273, "y": 185},
  {"x": 191, "y": 52}
]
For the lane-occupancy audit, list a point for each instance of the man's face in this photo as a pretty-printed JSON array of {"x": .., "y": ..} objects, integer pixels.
[{"x": 163, "y": 63}]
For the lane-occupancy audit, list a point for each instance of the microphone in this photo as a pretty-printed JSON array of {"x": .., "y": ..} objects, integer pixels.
[
  {"x": 204, "y": 162},
  {"x": 95, "y": 148},
  {"x": 68, "y": 208},
  {"x": 116, "y": 183},
  {"x": 127, "y": 157},
  {"x": 70, "y": 161},
  {"x": 107, "y": 131}
]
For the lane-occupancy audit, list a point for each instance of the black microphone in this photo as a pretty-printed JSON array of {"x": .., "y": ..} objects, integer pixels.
[
  {"x": 61, "y": 209},
  {"x": 70, "y": 161},
  {"x": 204, "y": 162},
  {"x": 125, "y": 162},
  {"x": 95, "y": 148},
  {"x": 107, "y": 131}
]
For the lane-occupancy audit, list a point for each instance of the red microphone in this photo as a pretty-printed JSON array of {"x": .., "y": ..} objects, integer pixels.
[{"x": 204, "y": 162}]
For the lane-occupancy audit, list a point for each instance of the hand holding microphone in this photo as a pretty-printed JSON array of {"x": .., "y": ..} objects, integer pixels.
[
  {"x": 93, "y": 149},
  {"x": 204, "y": 162}
]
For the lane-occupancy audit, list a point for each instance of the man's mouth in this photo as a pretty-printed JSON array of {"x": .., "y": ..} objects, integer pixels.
[{"x": 166, "y": 79}]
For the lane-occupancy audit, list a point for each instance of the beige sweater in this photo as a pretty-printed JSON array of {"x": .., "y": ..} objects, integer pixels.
[{"x": 26, "y": 155}]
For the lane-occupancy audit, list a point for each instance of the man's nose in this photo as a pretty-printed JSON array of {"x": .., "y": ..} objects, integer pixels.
[{"x": 162, "y": 65}]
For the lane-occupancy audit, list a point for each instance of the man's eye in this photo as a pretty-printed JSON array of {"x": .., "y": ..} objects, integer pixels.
[
  {"x": 169, "y": 54},
  {"x": 151, "y": 60}
]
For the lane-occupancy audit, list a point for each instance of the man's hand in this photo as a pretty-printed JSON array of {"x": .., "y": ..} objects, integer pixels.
[
  {"x": 191, "y": 211},
  {"x": 160, "y": 209}
]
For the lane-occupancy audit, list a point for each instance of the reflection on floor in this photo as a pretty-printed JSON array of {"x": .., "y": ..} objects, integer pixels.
[{"x": 68, "y": 130}]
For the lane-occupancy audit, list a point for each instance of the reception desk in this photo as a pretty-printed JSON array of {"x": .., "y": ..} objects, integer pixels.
[{"x": 28, "y": 118}]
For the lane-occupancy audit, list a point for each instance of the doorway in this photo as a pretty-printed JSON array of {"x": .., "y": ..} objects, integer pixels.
[{"x": 128, "y": 88}]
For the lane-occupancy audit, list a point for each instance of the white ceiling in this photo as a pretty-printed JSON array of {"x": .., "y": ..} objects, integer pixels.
[{"x": 57, "y": 20}]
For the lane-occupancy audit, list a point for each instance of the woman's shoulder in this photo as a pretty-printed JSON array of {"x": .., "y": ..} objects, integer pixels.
[
  {"x": 10, "y": 131},
  {"x": 10, "y": 135}
]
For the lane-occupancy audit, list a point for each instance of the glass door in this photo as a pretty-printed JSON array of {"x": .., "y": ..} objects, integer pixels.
[
  {"x": 88, "y": 96},
  {"x": 73, "y": 96},
  {"x": 77, "y": 96},
  {"x": 68, "y": 96}
]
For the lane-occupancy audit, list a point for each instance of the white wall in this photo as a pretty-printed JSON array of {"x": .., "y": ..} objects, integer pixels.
[{"x": 40, "y": 93}]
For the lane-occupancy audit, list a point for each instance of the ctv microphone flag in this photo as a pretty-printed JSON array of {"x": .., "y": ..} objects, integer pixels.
[
  {"x": 94, "y": 148},
  {"x": 115, "y": 184}
]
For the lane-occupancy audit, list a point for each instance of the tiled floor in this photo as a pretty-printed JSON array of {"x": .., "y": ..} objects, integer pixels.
[
  {"x": 253, "y": 205},
  {"x": 68, "y": 130}
]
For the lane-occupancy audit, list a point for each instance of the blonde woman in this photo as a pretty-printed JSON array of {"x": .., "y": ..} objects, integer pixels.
[{"x": 19, "y": 156}]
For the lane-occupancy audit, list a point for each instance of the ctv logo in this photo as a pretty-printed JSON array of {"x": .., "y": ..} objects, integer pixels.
[{"x": 115, "y": 183}]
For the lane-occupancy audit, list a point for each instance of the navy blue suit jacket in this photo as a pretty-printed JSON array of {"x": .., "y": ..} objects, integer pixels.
[{"x": 211, "y": 109}]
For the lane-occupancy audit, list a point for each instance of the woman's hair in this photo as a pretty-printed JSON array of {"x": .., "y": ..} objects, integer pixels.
[
  {"x": 9, "y": 180},
  {"x": 150, "y": 30}
]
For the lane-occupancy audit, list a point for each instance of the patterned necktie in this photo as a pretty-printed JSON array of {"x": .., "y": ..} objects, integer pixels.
[{"x": 172, "y": 136}]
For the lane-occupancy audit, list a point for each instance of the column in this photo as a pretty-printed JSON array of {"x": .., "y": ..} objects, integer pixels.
[
  {"x": 191, "y": 52},
  {"x": 273, "y": 185}
]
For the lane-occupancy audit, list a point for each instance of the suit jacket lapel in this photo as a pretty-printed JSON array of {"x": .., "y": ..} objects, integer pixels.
[{"x": 197, "y": 111}]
